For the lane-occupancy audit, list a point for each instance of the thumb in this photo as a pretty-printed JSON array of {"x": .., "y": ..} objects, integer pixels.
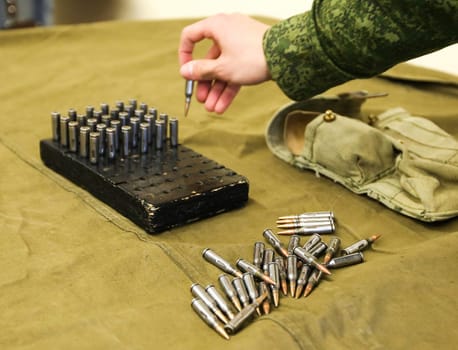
[{"x": 200, "y": 70}]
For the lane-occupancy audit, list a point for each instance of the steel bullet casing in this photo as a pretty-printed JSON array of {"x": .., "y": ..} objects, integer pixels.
[
  {"x": 81, "y": 119},
  {"x": 106, "y": 119},
  {"x": 250, "y": 285},
  {"x": 64, "y": 120},
  {"x": 72, "y": 114},
  {"x": 55, "y": 126},
  {"x": 111, "y": 144},
  {"x": 73, "y": 136},
  {"x": 258, "y": 254},
  {"x": 123, "y": 118},
  {"x": 291, "y": 268},
  {"x": 150, "y": 120},
  {"x": 144, "y": 107},
  {"x": 84, "y": 141},
  {"x": 316, "y": 214},
  {"x": 165, "y": 118},
  {"x": 274, "y": 273},
  {"x": 89, "y": 111},
  {"x": 144, "y": 135},
  {"x": 140, "y": 114},
  {"x": 257, "y": 272},
  {"x": 199, "y": 292},
  {"x": 220, "y": 301},
  {"x": 307, "y": 230},
  {"x": 294, "y": 241},
  {"x": 239, "y": 321},
  {"x": 275, "y": 242},
  {"x": 101, "y": 128},
  {"x": 125, "y": 140},
  {"x": 116, "y": 124},
  {"x": 206, "y": 314},
  {"x": 159, "y": 126},
  {"x": 173, "y": 123},
  {"x": 318, "y": 249},
  {"x": 229, "y": 290},
  {"x": 332, "y": 250},
  {"x": 346, "y": 260},
  {"x": 104, "y": 108},
  {"x": 92, "y": 123},
  {"x": 135, "y": 125},
  {"x": 94, "y": 146},
  {"x": 308, "y": 258},
  {"x": 360, "y": 245},
  {"x": 269, "y": 254},
  {"x": 241, "y": 290},
  {"x": 312, "y": 241},
  {"x": 216, "y": 260}
]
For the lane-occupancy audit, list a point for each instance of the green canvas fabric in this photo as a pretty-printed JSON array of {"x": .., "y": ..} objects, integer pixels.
[{"x": 76, "y": 274}]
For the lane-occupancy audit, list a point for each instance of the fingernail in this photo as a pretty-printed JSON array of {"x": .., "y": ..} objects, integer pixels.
[{"x": 186, "y": 70}]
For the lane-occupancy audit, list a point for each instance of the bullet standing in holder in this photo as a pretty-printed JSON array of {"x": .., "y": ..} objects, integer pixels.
[
  {"x": 125, "y": 141},
  {"x": 94, "y": 145},
  {"x": 173, "y": 123},
  {"x": 55, "y": 126},
  {"x": 145, "y": 134},
  {"x": 64, "y": 120},
  {"x": 111, "y": 145},
  {"x": 84, "y": 141},
  {"x": 73, "y": 136},
  {"x": 159, "y": 127}
]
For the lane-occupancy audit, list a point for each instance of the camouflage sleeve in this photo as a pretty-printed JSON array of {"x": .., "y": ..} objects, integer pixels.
[{"x": 340, "y": 40}]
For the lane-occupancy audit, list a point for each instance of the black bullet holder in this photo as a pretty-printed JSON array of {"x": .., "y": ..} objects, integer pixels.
[{"x": 157, "y": 190}]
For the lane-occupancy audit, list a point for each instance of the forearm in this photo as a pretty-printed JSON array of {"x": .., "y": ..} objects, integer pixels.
[{"x": 340, "y": 40}]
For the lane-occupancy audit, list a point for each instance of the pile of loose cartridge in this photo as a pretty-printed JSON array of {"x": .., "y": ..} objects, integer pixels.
[
  {"x": 251, "y": 288},
  {"x": 125, "y": 130}
]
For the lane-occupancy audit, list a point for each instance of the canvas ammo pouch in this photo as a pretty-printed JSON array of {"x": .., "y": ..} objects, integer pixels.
[{"x": 405, "y": 162}]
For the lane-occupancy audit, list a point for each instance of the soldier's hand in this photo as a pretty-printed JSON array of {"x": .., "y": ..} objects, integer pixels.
[{"x": 236, "y": 58}]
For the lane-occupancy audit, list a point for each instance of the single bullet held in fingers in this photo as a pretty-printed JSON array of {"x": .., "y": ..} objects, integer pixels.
[{"x": 188, "y": 91}]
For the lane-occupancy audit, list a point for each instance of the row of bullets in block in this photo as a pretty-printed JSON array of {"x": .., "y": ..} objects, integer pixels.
[
  {"x": 124, "y": 130},
  {"x": 255, "y": 286}
]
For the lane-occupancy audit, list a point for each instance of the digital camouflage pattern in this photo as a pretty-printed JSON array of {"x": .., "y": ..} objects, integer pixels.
[{"x": 340, "y": 40}]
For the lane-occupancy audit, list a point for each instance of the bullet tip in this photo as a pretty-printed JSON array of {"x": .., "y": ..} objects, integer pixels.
[{"x": 323, "y": 269}]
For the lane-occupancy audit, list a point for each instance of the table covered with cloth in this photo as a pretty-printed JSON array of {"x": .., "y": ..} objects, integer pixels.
[{"x": 76, "y": 274}]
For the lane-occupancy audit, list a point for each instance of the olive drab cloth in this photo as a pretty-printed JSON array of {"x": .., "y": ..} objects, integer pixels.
[
  {"x": 75, "y": 274},
  {"x": 406, "y": 162},
  {"x": 339, "y": 40}
]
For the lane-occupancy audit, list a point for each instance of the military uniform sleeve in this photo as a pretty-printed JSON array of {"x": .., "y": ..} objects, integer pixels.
[{"x": 340, "y": 40}]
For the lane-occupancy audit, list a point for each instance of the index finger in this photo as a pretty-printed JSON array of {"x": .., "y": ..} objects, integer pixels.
[{"x": 190, "y": 35}]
